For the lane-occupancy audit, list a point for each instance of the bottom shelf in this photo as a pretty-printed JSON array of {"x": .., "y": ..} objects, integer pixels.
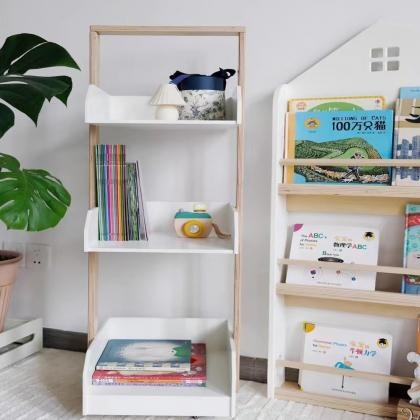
[
  {"x": 292, "y": 391},
  {"x": 216, "y": 399}
]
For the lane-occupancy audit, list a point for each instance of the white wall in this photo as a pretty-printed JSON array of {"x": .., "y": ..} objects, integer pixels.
[{"x": 283, "y": 39}]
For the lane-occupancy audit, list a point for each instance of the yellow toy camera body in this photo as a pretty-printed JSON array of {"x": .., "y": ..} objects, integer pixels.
[{"x": 193, "y": 224}]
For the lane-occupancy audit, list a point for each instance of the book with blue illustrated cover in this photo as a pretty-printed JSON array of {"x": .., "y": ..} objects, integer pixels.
[
  {"x": 150, "y": 355},
  {"x": 407, "y": 135},
  {"x": 340, "y": 135},
  {"x": 410, "y": 283}
]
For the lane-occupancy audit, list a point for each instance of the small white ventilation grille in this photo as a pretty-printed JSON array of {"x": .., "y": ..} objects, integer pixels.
[{"x": 385, "y": 59}]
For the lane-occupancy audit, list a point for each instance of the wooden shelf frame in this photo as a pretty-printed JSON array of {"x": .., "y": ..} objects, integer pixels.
[
  {"x": 168, "y": 30},
  {"x": 95, "y": 33}
]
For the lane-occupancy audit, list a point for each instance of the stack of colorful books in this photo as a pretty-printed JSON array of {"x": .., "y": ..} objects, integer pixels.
[
  {"x": 119, "y": 195},
  {"x": 151, "y": 363}
]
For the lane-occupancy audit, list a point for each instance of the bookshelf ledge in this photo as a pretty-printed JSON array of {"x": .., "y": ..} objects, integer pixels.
[
  {"x": 335, "y": 293},
  {"x": 216, "y": 399},
  {"x": 353, "y": 267},
  {"x": 135, "y": 111},
  {"x": 291, "y": 391},
  {"x": 349, "y": 190},
  {"x": 162, "y": 237},
  {"x": 388, "y": 304},
  {"x": 407, "y": 163},
  {"x": 394, "y": 379}
]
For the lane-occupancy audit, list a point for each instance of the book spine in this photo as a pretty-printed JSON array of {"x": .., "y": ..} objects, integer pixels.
[
  {"x": 409, "y": 284},
  {"x": 157, "y": 367},
  {"x": 142, "y": 207},
  {"x": 395, "y": 145},
  {"x": 133, "y": 205},
  {"x": 140, "y": 383}
]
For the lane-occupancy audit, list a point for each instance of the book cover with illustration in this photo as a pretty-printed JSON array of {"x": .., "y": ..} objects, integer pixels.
[
  {"x": 339, "y": 103},
  {"x": 411, "y": 284},
  {"x": 407, "y": 135},
  {"x": 150, "y": 355},
  {"x": 340, "y": 135},
  {"x": 196, "y": 376},
  {"x": 346, "y": 349},
  {"x": 339, "y": 244}
]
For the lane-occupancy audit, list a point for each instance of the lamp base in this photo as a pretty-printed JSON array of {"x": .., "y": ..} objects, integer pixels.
[{"x": 167, "y": 113}]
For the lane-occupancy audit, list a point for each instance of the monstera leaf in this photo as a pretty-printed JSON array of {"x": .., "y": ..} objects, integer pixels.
[
  {"x": 27, "y": 93},
  {"x": 30, "y": 199}
]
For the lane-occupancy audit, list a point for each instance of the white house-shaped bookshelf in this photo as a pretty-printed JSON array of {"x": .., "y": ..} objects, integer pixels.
[{"x": 378, "y": 61}]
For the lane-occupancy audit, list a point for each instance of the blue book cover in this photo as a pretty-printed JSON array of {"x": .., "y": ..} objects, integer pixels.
[
  {"x": 151, "y": 355},
  {"x": 411, "y": 284},
  {"x": 410, "y": 92},
  {"x": 341, "y": 135}
]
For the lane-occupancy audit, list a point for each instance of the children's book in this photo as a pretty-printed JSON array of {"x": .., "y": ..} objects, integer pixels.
[
  {"x": 407, "y": 135},
  {"x": 340, "y": 103},
  {"x": 196, "y": 376},
  {"x": 150, "y": 355},
  {"x": 346, "y": 349},
  {"x": 339, "y": 244},
  {"x": 411, "y": 284},
  {"x": 340, "y": 135}
]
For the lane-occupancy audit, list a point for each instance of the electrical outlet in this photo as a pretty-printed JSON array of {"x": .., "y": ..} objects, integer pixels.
[
  {"x": 38, "y": 256},
  {"x": 16, "y": 246}
]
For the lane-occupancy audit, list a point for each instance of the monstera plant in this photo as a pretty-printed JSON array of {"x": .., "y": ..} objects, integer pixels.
[{"x": 30, "y": 199}]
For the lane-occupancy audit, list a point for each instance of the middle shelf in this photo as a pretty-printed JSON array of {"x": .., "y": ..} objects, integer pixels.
[{"x": 162, "y": 236}]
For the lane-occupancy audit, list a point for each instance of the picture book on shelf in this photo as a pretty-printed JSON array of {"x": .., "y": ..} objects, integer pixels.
[
  {"x": 346, "y": 349},
  {"x": 339, "y": 244},
  {"x": 150, "y": 355},
  {"x": 339, "y": 103},
  {"x": 410, "y": 283},
  {"x": 340, "y": 135},
  {"x": 407, "y": 135},
  {"x": 195, "y": 377}
]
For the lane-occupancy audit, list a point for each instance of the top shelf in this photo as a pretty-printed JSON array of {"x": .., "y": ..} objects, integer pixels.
[{"x": 134, "y": 111}]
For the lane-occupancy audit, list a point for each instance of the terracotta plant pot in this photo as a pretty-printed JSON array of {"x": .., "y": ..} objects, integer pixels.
[{"x": 9, "y": 264}]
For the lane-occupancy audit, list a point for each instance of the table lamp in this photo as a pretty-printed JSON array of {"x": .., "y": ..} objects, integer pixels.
[{"x": 167, "y": 99}]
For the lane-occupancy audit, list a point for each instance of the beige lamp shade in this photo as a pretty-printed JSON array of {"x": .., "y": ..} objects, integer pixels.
[{"x": 167, "y": 94}]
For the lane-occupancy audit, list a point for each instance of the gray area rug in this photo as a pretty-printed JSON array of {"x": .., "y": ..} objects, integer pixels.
[{"x": 48, "y": 386}]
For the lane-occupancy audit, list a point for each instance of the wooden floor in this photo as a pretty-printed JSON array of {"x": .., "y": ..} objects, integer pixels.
[{"x": 48, "y": 386}]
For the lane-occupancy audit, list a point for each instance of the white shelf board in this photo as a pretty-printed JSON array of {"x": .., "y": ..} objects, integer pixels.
[
  {"x": 134, "y": 111},
  {"x": 162, "y": 237},
  {"x": 216, "y": 399}
]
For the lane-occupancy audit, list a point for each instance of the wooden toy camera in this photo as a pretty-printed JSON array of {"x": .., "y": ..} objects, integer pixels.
[{"x": 196, "y": 224}]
